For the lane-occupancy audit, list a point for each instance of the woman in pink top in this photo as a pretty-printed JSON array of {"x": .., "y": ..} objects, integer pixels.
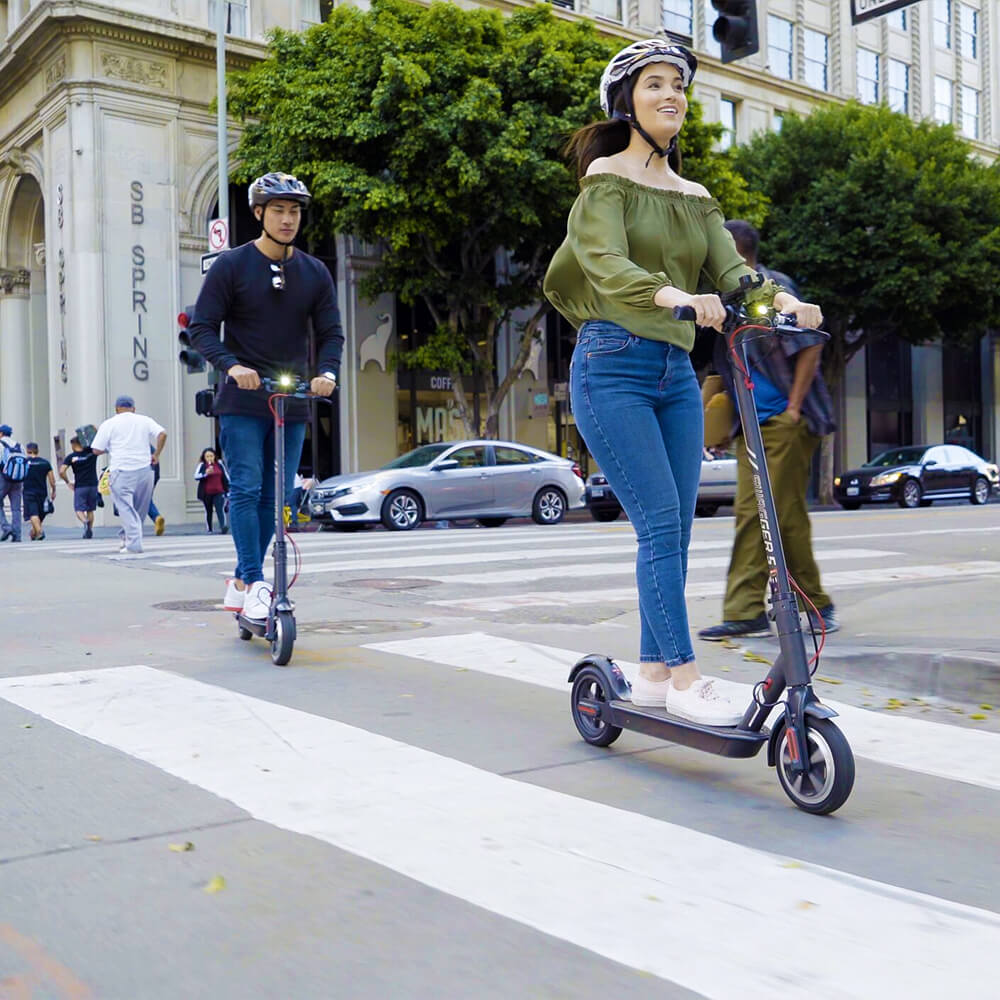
[{"x": 213, "y": 485}]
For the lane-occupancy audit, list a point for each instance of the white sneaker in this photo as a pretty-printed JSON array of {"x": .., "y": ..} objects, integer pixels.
[
  {"x": 649, "y": 694},
  {"x": 258, "y": 601},
  {"x": 235, "y": 598},
  {"x": 706, "y": 702}
]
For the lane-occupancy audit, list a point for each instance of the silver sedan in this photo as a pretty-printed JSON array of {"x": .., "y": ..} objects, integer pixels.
[{"x": 490, "y": 481}]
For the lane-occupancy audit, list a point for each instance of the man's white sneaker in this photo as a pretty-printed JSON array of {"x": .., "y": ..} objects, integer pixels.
[
  {"x": 650, "y": 694},
  {"x": 235, "y": 598},
  {"x": 258, "y": 601},
  {"x": 706, "y": 703}
]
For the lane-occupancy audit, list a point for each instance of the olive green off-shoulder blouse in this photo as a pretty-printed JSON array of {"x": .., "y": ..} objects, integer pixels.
[{"x": 625, "y": 241}]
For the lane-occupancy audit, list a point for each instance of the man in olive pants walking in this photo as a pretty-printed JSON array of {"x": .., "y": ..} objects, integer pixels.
[{"x": 795, "y": 410}]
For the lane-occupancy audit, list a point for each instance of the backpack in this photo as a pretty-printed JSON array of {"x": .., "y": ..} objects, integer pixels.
[{"x": 15, "y": 464}]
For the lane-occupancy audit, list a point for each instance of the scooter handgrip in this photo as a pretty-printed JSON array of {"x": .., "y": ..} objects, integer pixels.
[{"x": 684, "y": 312}]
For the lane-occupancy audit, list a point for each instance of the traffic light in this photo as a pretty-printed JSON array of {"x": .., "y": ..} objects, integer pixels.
[
  {"x": 188, "y": 356},
  {"x": 736, "y": 28}
]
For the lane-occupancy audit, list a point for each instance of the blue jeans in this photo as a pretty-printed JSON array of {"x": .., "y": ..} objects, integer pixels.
[
  {"x": 248, "y": 444},
  {"x": 638, "y": 406}
]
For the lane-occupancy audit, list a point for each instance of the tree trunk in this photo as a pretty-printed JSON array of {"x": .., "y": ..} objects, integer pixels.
[{"x": 826, "y": 468}]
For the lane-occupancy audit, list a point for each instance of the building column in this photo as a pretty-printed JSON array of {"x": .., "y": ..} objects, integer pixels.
[
  {"x": 853, "y": 450},
  {"x": 15, "y": 351},
  {"x": 928, "y": 394}
]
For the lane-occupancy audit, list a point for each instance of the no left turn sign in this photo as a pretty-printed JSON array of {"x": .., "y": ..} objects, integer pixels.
[{"x": 218, "y": 234}]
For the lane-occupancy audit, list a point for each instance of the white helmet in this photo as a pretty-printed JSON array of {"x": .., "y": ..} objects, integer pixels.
[{"x": 633, "y": 57}]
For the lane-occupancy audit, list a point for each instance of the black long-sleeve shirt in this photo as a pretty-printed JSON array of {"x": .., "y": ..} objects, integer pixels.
[{"x": 266, "y": 329}]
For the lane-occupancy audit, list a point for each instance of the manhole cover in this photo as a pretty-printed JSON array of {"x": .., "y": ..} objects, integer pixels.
[
  {"x": 212, "y": 604},
  {"x": 381, "y": 584},
  {"x": 358, "y": 627}
]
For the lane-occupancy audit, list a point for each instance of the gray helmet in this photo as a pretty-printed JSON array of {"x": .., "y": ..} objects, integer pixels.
[{"x": 277, "y": 185}]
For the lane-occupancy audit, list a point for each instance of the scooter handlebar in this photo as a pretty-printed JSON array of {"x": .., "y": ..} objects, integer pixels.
[{"x": 299, "y": 387}]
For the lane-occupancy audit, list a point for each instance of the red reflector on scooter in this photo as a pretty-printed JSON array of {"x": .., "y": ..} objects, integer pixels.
[
  {"x": 586, "y": 709},
  {"x": 793, "y": 744}
]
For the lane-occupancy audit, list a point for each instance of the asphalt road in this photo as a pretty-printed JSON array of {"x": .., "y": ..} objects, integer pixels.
[{"x": 406, "y": 810}]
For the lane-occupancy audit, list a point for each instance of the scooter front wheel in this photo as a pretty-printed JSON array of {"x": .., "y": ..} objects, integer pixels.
[
  {"x": 586, "y": 698},
  {"x": 830, "y": 778},
  {"x": 284, "y": 638}
]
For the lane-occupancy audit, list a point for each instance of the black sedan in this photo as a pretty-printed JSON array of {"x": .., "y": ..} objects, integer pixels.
[{"x": 916, "y": 476}]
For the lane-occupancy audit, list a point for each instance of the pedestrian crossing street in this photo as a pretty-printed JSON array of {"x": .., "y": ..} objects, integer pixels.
[
  {"x": 480, "y": 570},
  {"x": 690, "y": 908}
]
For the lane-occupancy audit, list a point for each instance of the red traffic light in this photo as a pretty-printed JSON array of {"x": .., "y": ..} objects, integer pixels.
[{"x": 183, "y": 320}]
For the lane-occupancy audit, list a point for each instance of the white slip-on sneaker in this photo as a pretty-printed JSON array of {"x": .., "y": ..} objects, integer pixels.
[
  {"x": 649, "y": 694},
  {"x": 706, "y": 702},
  {"x": 235, "y": 598},
  {"x": 258, "y": 601}
]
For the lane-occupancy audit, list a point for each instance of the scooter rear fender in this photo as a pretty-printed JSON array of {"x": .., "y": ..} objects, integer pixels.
[
  {"x": 814, "y": 708},
  {"x": 617, "y": 684}
]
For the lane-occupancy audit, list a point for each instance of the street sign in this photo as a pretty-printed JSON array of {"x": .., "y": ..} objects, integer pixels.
[
  {"x": 207, "y": 259},
  {"x": 560, "y": 391},
  {"x": 218, "y": 234},
  {"x": 865, "y": 10}
]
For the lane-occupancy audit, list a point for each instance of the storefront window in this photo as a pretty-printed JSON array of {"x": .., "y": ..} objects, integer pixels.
[{"x": 428, "y": 410}]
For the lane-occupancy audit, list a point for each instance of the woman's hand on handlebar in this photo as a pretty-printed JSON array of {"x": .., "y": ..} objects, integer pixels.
[
  {"x": 708, "y": 310},
  {"x": 245, "y": 378},
  {"x": 807, "y": 315}
]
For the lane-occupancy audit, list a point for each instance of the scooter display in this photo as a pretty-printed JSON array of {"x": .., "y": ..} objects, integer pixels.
[
  {"x": 814, "y": 761},
  {"x": 279, "y": 627}
]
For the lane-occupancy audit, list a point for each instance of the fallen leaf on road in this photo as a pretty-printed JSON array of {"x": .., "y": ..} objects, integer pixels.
[
  {"x": 217, "y": 884},
  {"x": 92, "y": 836},
  {"x": 754, "y": 658},
  {"x": 186, "y": 846},
  {"x": 26, "y": 725},
  {"x": 986, "y": 708},
  {"x": 829, "y": 680},
  {"x": 978, "y": 716},
  {"x": 791, "y": 864},
  {"x": 805, "y": 904}
]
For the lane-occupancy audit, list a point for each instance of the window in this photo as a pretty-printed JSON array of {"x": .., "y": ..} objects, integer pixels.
[
  {"x": 778, "y": 121},
  {"x": 469, "y": 458},
  {"x": 712, "y": 47},
  {"x": 609, "y": 10},
  {"x": 677, "y": 16},
  {"x": 968, "y": 30},
  {"x": 236, "y": 18},
  {"x": 942, "y": 99},
  {"x": 727, "y": 115},
  {"x": 513, "y": 456},
  {"x": 868, "y": 76},
  {"x": 970, "y": 112},
  {"x": 942, "y": 23},
  {"x": 314, "y": 12},
  {"x": 899, "y": 86},
  {"x": 816, "y": 48},
  {"x": 898, "y": 20},
  {"x": 779, "y": 46}
]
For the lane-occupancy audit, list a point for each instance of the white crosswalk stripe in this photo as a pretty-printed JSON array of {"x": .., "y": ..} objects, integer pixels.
[{"x": 690, "y": 908}]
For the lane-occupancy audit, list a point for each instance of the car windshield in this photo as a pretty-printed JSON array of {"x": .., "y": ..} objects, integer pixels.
[
  {"x": 897, "y": 456},
  {"x": 423, "y": 455}
]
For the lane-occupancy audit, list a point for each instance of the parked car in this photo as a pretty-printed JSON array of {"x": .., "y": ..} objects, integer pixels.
[
  {"x": 490, "y": 481},
  {"x": 716, "y": 487},
  {"x": 916, "y": 476}
]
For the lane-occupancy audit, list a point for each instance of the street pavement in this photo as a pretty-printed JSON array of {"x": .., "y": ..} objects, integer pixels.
[{"x": 407, "y": 811}]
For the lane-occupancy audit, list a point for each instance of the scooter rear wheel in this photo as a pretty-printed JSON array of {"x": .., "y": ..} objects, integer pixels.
[
  {"x": 284, "y": 638},
  {"x": 586, "y": 697},
  {"x": 830, "y": 778}
]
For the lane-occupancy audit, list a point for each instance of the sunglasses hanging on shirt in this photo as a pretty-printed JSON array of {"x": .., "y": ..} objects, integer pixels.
[{"x": 278, "y": 277}]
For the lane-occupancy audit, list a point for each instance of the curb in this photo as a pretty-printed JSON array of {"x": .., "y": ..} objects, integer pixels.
[{"x": 935, "y": 673}]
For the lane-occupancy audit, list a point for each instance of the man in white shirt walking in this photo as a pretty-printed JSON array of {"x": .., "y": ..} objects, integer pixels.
[{"x": 127, "y": 438}]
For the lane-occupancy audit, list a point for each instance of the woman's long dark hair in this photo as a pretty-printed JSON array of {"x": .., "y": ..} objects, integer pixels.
[
  {"x": 608, "y": 137},
  {"x": 205, "y": 452}
]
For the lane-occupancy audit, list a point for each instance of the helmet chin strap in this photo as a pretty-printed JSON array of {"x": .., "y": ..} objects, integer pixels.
[
  {"x": 274, "y": 239},
  {"x": 629, "y": 116}
]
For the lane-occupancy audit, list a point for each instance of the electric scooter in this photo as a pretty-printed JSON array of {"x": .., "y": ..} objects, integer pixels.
[
  {"x": 813, "y": 758},
  {"x": 279, "y": 627}
]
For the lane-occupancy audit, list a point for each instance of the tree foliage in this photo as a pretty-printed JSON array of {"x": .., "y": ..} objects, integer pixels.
[
  {"x": 892, "y": 226},
  {"x": 435, "y": 132}
]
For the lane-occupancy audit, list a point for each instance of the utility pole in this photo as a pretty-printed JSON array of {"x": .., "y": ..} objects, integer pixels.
[{"x": 222, "y": 11}]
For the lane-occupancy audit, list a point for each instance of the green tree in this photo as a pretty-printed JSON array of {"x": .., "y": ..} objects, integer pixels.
[
  {"x": 892, "y": 226},
  {"x": 435, "y": 132}
]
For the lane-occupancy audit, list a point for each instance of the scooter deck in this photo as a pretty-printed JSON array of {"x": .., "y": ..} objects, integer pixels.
[
  {"x": 258, "y": 628},
  {"x": 724, "y": 741}
]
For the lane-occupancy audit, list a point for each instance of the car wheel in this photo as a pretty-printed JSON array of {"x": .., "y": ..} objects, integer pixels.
[
  {"x": 549, "y": 506},
  {"x": 402, "y": 510},
  {"x": 605, "y": 514},
  {"x": 706, "y": 509},
  {"x": 490, "y": 522},
  {"x": 910, "y": 495},
  {"x": 850, "y": 504},
  {"x": 980, "y": 491}
]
